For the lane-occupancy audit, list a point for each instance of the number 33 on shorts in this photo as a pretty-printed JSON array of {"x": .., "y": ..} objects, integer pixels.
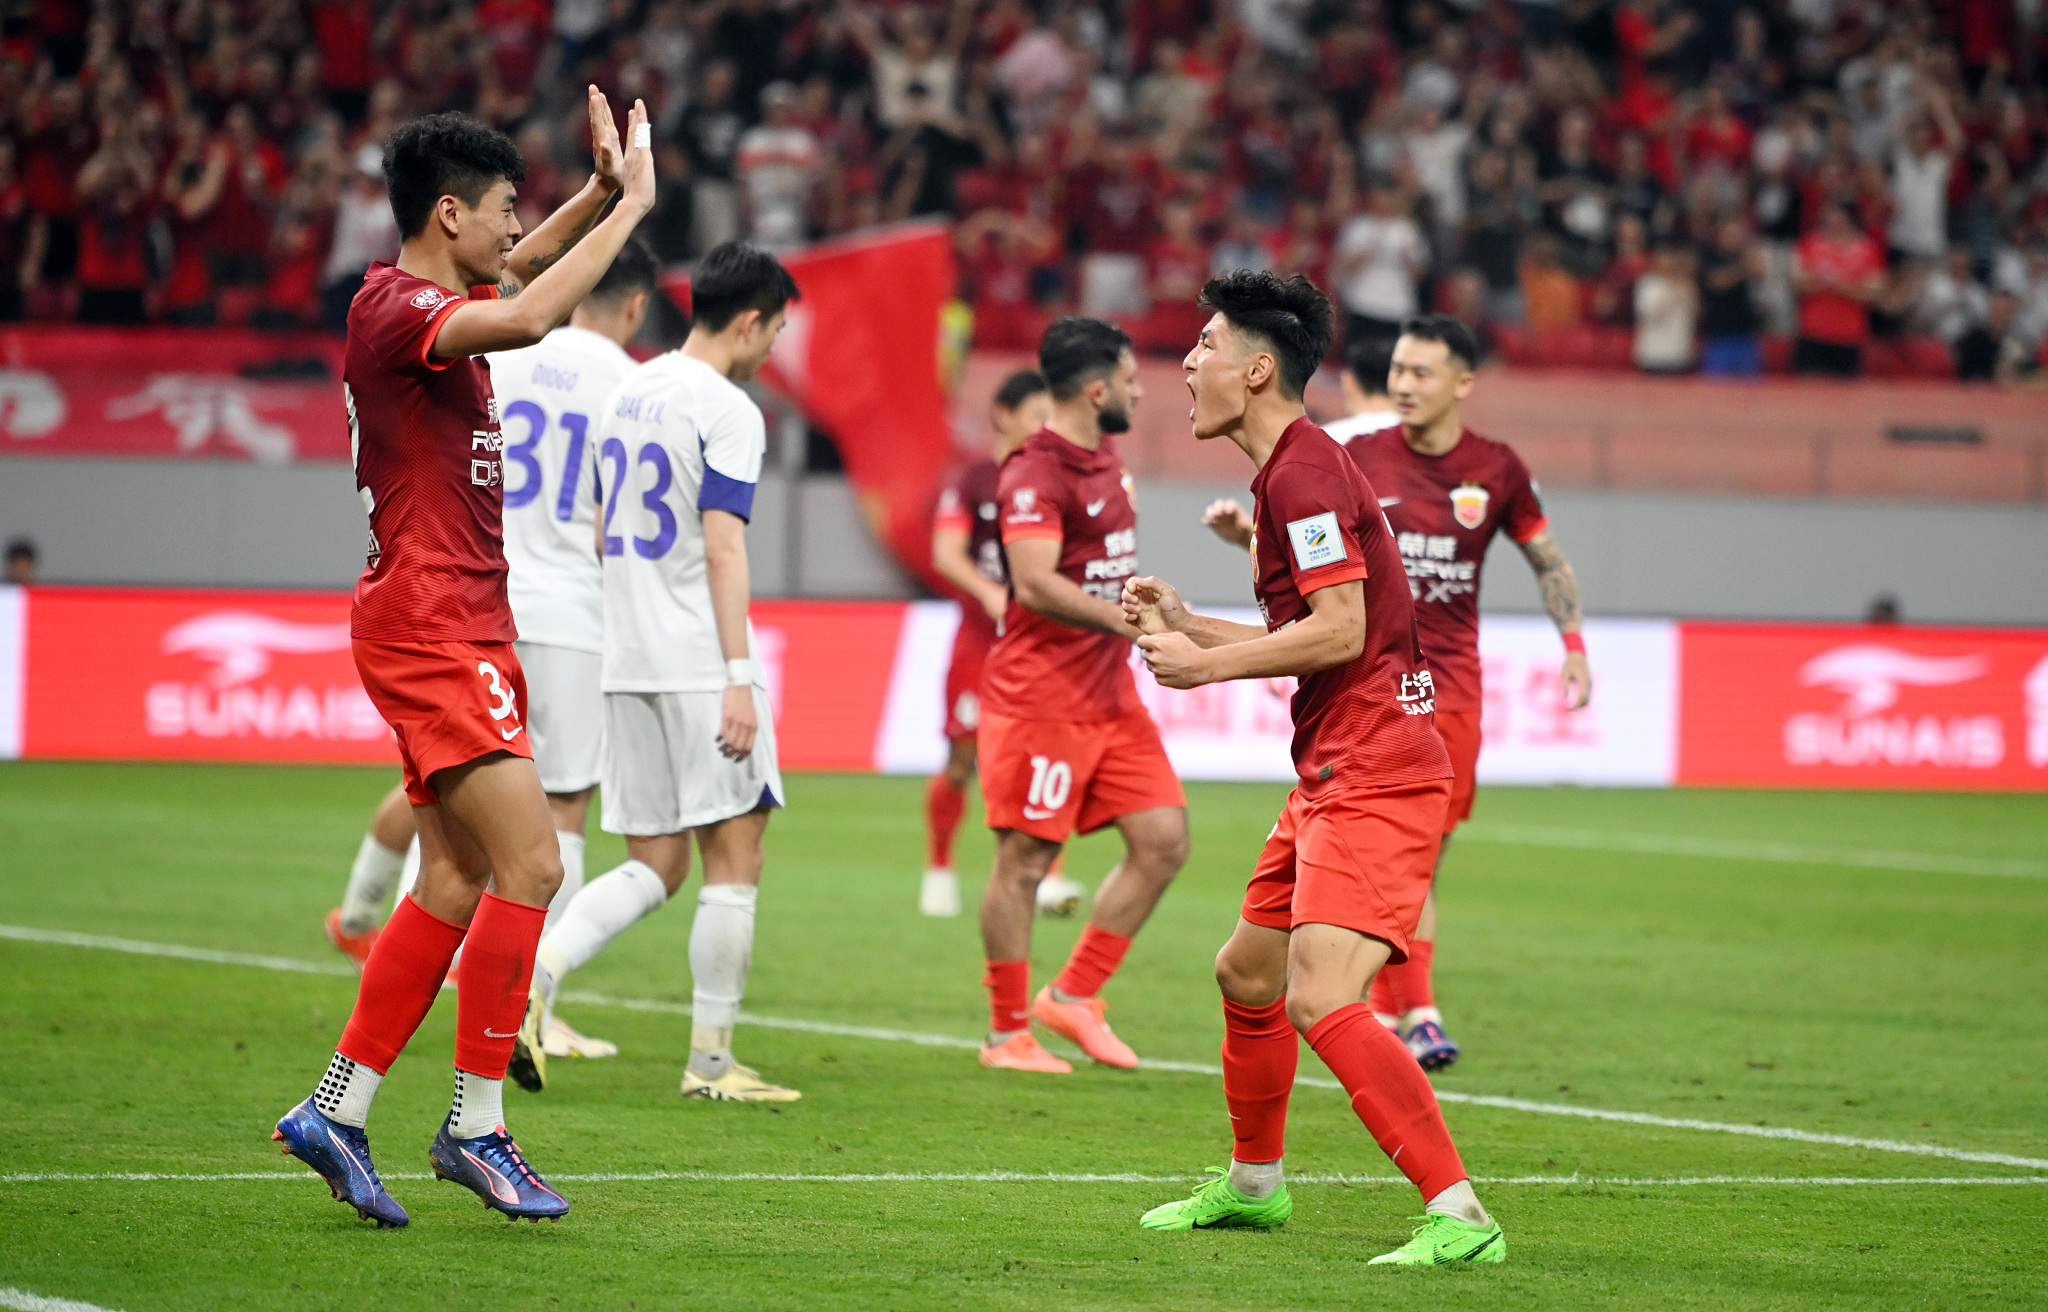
[{"x": 503, "y": 701}]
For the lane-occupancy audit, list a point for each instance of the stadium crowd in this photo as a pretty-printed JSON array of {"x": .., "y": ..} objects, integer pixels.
[{"x": 1728, "y": 185}]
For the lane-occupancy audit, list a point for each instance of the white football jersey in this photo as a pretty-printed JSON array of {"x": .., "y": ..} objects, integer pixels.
[
  {"x": 550, "y": 395},
  {"x": 1358, "y": 425},
  {"x": 676, "y": 439}
]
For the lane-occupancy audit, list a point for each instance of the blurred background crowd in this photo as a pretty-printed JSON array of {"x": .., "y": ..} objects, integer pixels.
[{"x": 1834, "y": 186}]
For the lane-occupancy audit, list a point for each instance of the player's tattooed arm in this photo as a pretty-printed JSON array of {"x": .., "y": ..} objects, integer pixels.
[
  {"x": 1559, "y": 587},
  {"x": 558, "y": 234}
]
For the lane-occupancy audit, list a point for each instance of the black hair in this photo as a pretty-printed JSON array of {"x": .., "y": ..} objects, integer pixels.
[
  {"x": 633, "y": 269},
  {"x": 1019, "y": 388},
  {"x": 734, "y": 277},
  {"x": 1461, "y": 341},
  {"x": 444, "y": 155},
  {"x": 1369, "y": 358},
  {"x": 21, "y": 549},
  {"x": 1291, "y": 315},
  {"x": 1077, "y": 350}
]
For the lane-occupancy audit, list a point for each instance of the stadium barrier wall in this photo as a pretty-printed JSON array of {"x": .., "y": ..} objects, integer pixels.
[{"x": 187, "y": 675}]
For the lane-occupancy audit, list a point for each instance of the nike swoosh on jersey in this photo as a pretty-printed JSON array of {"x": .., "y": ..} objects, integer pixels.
[
  {"x": 513, "y": 732},
  {"x": 1389, "y": 501},
  {"x": 1033, "y": 813},
  {"x": 1095, "y": 507}
]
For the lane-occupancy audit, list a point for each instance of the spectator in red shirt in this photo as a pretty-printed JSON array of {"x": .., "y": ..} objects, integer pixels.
[
  {"x": 239, "y": 231},
  {"x": 1838, "y": 272},
  {"x": 1717, "y": 139},
  {"x": 192, "y": 189},
  {"x": 1176, "y": 266},
  {"x": 14, "y": 241},
  {"x": 114, "y": 197}
]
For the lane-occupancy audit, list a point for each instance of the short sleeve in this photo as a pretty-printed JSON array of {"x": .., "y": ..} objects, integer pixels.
[
  {"x": 1316, "y": 513},
  {"x": 1031, "y": 500},
  {"x": 1522, "y": 518},
  {"x": 401, "y": 320},
  {"x": 734, "y": 442}
]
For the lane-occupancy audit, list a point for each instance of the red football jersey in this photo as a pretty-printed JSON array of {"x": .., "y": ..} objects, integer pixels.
[
  {"x": 967, "y": 504},
  {"x": 1444, "y": 511},
  {"x": 1316, "y": 523},
  {"x": 428, "y": 456},
  {"x": 1042, "y": 669}
]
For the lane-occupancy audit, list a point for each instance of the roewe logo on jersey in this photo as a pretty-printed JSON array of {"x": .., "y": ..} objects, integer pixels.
[{"x": 1468, "y": 504}]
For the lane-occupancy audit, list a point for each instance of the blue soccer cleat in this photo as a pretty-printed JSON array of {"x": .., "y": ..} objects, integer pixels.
[
  {"x": 341, "y": 1154},
  {"x": 1433, "y": 1048},
  {"x": 491, "y": 1165}
]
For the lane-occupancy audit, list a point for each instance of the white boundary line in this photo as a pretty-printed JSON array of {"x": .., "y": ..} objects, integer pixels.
[
  {"x": 1607, "y": 840},
  {"x": 138, "y": 947},
  {"x": 23, "y": 1301},
  {"x": 1029, "y": 1177}
]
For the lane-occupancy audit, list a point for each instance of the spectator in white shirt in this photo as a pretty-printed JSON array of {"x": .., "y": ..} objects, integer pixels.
[
  {"x": 1379, "y": 258},
  {"x": 364, "y": 230},
  {"x": 1920, "y": 170},
  {"x": 777, "y": 162},
  {"x": 1667, "y": 310}
]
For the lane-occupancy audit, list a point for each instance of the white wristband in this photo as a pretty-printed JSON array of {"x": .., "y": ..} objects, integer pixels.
[
  {"x": 740, "y": 673},
  {"x": 643, "y": 135}
]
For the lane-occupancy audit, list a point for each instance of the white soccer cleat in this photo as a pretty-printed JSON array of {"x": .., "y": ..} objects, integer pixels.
[
  {"x": 1060, "y": 896},
  {"x": 561, "y": 1041},
  {"x": 940, "y": 894}
]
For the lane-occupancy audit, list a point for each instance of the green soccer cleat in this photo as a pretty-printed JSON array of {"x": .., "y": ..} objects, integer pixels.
[
  {"x": 1441, "y": 1240},
  {"x": 1216, "y": 1204}
]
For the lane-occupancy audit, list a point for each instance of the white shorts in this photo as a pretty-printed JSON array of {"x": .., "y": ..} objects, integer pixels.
[
  {"x": 564, "y": 714},
  {"x": 663, "y": 772}
]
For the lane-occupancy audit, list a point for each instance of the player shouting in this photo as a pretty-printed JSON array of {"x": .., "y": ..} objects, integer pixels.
[
  {"x": 1339, "y": 887},
  {"x": 690, "y": 747},
  {"x": 1446, "y": 491},
  {"x": 1065, "y": 742},
  {"x": 433, "y": 631},
  {"x": 967, "y": 551}
]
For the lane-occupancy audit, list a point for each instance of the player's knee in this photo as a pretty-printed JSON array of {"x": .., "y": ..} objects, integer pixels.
[
  {"x": 1242, "y": 983},
  {"x": 1306, "y": 1007},
  {"x": 1167, "y": 850}
]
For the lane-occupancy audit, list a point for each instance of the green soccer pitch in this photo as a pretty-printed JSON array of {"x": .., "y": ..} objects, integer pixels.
[{"x": 1863, "y": 973}]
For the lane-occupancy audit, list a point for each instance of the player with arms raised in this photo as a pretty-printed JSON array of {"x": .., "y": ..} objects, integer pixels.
[
  {"x": 1447, "y": 491},
  {"x": 1065, "y": 742},
  {"x": 1339, "y": 887},
  {"x": 433, "y": 629}
]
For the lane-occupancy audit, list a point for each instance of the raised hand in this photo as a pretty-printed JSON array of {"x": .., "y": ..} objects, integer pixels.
[
  {"x": 604, "y": 142},
  {"x": 636, "y": 174},
  {"x": 1228, "y": 521}
]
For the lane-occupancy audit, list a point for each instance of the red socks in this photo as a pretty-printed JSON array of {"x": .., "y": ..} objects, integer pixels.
[
  {"x": 943, "y": 805},
  {"x": 400, "y": 979},
  {"x": 491, "y": 984},
  {"x": 1094, "y": 959},
  {"x": 1260, "y": 1053},
  {"x": 1390, "y": 1094},
  {"x": 1009, "y": 983},
  {"x": 1398, "y": 990}
]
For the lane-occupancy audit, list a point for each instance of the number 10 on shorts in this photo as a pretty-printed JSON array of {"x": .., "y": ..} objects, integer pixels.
[{"x": 1051, "y": 782}]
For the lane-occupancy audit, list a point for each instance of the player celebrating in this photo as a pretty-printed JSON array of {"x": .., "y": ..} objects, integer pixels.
[
  {"x": 1339, "y": 887},
  {"x": 967, "y": 551},
  {"x": 690, "y": 736},
  {"x": 433, "y": 630},
  {"x": 1446, "y": 491},
  {"x": 1065, "y": 742}
]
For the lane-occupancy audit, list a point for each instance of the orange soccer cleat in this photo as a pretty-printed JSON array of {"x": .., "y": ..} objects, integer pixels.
[
  {"x": 1082, "y": 1023},
  {"x": 356, "y": 947},
  {"x": 1022, "y": 1052}
]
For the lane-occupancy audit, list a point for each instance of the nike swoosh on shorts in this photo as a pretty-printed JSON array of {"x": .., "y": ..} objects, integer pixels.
[
  {"x": 1033, "y": 813},
  {"x": 513, "y": 732}
]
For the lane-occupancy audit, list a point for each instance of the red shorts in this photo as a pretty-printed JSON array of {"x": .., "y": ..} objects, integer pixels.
[
  {"x": 1460, "y": 732},
  {"x": 1052, "y": 779},
  {"x": 963, "y": 679},
  {"x": 448, "y": 702},
  {"x": 1357, "y": 858}
]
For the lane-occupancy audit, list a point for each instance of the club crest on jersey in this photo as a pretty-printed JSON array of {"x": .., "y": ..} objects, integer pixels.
[
  {"x": 1024, "y": 499},
  {"x": 1468, "y": 504},
  {"x": 1316, "y": 540},
  {"x": 429, "y": 298}
]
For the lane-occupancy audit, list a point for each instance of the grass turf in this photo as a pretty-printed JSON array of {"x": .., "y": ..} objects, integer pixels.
[{"x": 1873, "y": 1003}]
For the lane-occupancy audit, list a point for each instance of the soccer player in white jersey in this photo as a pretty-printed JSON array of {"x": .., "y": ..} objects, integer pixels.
[{"x": 690, "y": 739}]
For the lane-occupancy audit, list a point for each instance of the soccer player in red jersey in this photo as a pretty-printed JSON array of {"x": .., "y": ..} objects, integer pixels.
[
  {"x": 1339, "y": 887},
  {"x": 1447, "y": 491},
  {"x": 967, "y": 551},
  {"x": 1065, "y": 742},
  {"x": 433, "y": 629}
]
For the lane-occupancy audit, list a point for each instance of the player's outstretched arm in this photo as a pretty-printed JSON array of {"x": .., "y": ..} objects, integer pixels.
[
  {"x": 1152, "y": 606},
  {"x": 725, "y": 570},
  {"x": 1228, "y": 521},
  {"x": 1332, "y": 634},
  {"x": 475, "y": 327},
  {"x": 1035, "y": 574},
  {"x": 1560, "y": 589},
  {"x": 950, "y": 559},
  {"x": 544, "y": 247}
]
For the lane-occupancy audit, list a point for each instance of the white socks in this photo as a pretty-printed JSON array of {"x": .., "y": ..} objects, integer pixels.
[
  {"x": 345, "y": 1091},
  {"x": 605, "y": 909},
  {"x": 370, "y": 879},
  {"x": 479, "y": 1106},
  {"x": 1461, "y": 1202},
  {"x": 721, "y": 949},
  {"x": 1255, "y": 1179},
  {"x": 412, "y": 868},
  {"x": 572, "y": 877}
]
